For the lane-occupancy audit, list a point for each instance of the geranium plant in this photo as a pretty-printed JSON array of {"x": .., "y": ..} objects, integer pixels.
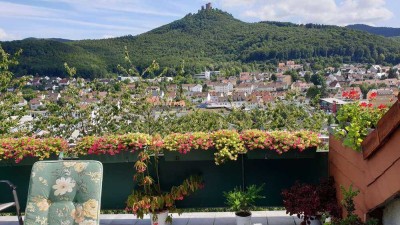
[{"x": 355, "y": 121}]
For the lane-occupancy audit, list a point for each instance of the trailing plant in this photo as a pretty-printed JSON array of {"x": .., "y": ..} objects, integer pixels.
[
  {"x": 297, "y": 140},
  {"x": 183, "y": 143},
  {"x": 256, "y": 139},
  {"x": 112, "y": 144},
  {"x": 280, "y": 141},
  {"x": 148, "y": 196},
  {"x": 242, "y": 201},
  {"x": 227, "y": 145},
  {"x": 355, "y": 120},
  {"x": 20, "y": 148}
]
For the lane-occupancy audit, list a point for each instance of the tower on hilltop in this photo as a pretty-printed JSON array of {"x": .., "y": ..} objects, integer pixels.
[{"x": 208, "y": 6}]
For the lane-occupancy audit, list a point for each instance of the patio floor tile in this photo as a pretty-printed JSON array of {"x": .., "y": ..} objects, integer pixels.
[{"x": 196, "y": 218}]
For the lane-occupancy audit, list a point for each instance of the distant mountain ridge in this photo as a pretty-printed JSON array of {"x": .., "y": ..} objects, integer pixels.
[
  {"x": 384, "y": 31},
  {"x": 209, "y": 38},
  {"x": 50, "y": 39}
]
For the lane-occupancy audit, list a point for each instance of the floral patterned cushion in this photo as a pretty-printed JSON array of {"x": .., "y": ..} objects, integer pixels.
[{"x": 65, "y": 193}]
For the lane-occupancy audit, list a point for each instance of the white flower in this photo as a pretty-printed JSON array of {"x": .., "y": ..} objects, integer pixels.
[
  {"x": 43, "y": 204},
  {"x": 79, "y": 167},
  {"x": 69, "y": 164},
  {"x": 30, "y": 207},
  {"x": 63, "y": 186},
  {"x": 88, "y": 222},
  {"x": 90, "y": 208},
  {"x": 77, "y": 214}
]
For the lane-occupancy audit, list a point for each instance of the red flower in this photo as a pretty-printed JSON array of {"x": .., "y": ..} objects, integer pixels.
[
  {"x": 382, "y": 106},
  {"x": 372, "y": 95},
  {"x": 363, "y": 104}
]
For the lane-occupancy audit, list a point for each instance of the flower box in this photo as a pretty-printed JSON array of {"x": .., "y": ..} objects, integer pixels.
[
  {"x": 117, "y": 158},
  {"x": 291, "y": 154},
  {"x": 27, "y": 161},
  {"x": 193, "y": 155}
]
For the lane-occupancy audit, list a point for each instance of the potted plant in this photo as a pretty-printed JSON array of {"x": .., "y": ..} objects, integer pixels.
[
  {"x": 309, "y": 201},
  {"x": 241, "y": 201},
  {"x": 349, "y": 206},
  {"x": 356, "y": 121},
  {"x": 149, "y": 197}
]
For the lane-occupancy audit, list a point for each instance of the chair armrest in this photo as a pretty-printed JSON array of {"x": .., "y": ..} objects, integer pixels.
[{"x": 12, "y": 186}]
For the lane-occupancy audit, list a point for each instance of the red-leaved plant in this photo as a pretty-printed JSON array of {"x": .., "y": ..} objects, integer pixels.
[{"x": 308, "y": 201}]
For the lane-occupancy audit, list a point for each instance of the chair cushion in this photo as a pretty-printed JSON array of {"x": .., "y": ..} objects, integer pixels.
[{"x": 64, "y": 192}]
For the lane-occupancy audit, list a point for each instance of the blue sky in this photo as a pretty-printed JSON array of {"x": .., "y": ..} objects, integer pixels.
[{"x": 93, "y": 19}]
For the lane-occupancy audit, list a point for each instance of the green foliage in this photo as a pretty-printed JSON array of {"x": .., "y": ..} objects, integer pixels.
[
  {"x": 10, "y": 113},
  {"x": 317, "y": 79},
  {"x": 384, "y": 31},
  {"x": 148, "y": 196},
  {"x": 348, "y": 204},
  {"x": 211, "y": 39},
  {"x": 307, "y": 77},
  {"x": 348, "y": 196},
  {"x": 240, "y": 200},
  {"x": 355, "y": 121},
  {"x": 228, "y": 145},
  {"x": 289, "y": 116},
  {"x": 6, "y": 76},
  {"x": 197, "y": 121},
  {"x": 273, "y": 77}
]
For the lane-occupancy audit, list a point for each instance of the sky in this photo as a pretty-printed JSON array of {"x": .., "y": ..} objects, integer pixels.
[{"x": 95, "y": 19}]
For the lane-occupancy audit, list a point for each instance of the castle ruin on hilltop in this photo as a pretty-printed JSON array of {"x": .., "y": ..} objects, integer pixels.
[{"x": 207, "y": 7}]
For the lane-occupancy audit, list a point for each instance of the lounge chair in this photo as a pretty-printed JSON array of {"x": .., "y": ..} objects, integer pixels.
[
  {"x": 15, "y": 203},
  {"x": 64, "y": 192}
]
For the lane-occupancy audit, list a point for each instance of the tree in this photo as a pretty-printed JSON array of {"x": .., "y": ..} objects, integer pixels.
[
  {"x": 392, "y": 73},
  {"x": 294, "y": 74},
  {"x": 69, "y": 114},
  {"x": 317, "y": 79},
  {"x": 273, "y": 77},
  {"x": 307, "y": 77},
  {"x": 10, "y": 113},
  {"x": 28, "y": 94}
]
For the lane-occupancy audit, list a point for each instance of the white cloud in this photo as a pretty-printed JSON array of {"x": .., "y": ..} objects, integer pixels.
[
  {"x": 4, "y": 36},
  {"x": 13, "y": 10},
  {"x": 127, "y": 6},
  {"x": 313, "y": 11}
]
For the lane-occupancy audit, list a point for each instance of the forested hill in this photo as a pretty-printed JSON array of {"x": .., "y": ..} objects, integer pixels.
[
  {"x": 384, "y": 31},
  {"x": 209, "y": 37}
]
